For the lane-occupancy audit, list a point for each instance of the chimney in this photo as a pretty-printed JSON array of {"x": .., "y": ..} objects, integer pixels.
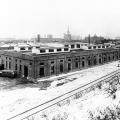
[
  {"x": 89, "y": 39},
  {"x": 38, "y": 38}
]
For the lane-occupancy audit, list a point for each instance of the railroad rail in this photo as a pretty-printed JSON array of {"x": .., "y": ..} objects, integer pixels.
[{"x": 80, "y": 91}]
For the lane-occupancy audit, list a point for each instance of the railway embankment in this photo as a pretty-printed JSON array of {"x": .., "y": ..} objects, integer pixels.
[{"x": 74, "y": 91}]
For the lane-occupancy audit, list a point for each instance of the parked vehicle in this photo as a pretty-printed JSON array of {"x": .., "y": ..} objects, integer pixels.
[{"x": 8, "y": 73}]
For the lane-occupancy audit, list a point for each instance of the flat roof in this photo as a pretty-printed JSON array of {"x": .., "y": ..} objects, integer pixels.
[{"x": 29, "y": 55}]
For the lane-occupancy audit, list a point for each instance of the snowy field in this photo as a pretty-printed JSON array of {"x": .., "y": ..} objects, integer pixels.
[
  {"x": 19, "y": 99},
  {"x": 93, "y": 105}
]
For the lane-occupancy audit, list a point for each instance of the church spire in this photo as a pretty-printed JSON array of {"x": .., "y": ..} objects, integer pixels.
[
  {"x": 67, "y": 36},
  {"x": 68, "y": 31}
]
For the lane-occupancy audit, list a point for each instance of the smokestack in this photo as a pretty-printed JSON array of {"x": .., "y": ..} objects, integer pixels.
[
  {"x": 38, "y": 38},
  {"x": 89, "y": 39}
]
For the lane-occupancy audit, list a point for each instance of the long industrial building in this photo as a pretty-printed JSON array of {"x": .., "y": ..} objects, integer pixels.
[{"x": 37, "y": 62}]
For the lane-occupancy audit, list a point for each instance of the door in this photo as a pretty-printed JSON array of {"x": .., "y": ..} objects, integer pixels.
[
  {"x": 25, "y": 71},
  {"x": 41, "y": 71},
  {"x": 61, "y": 68},
  {"x": 69, "y": 66},
  {"x": 83, "y": 63}
]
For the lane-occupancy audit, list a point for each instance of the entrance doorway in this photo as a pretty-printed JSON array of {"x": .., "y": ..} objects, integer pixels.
[
  {"x": 100, "y": 60},
  {"x": 95, "y": 61},
  {"x": 42, "y": 72},
  {"x": 61, "y": 68},
  {"x": 25, "y": 71},
  {"x": 69, "y": 66},
  {"x": 89, "y": 62},
  {"x": 83, "y": 63}
]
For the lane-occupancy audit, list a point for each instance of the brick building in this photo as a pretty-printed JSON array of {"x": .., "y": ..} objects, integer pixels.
[{"x": 36, "y": 66}]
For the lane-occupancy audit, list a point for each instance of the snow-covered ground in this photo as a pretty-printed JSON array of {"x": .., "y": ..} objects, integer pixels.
[
  {"x": 18, "y": 100},
  {"x": 94, "y": 102}
]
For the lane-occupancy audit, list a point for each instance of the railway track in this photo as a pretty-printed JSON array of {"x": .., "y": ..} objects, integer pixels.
[{"x": 59, "y": 99}]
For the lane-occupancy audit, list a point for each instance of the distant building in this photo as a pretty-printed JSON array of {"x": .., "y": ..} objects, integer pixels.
[
  {"x": 67, "y": 36},
  {"x": 38, "y": 38},
  {"x": 49, "y": 36},
  {"x": 76, "y": 37},
  {"x": 95, "y": 39}
]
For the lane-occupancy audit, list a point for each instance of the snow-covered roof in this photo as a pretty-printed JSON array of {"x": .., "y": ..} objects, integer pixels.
[
  {"x": 5, "y": 45},
  {"x": 22, "y": 45},
  {"x": 54, "y": 45}
]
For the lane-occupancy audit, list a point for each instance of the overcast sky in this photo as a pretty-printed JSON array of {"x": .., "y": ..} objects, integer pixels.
[{"x": 26, "y": 18}]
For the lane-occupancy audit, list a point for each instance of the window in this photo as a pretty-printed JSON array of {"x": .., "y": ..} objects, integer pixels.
[
  {"x": 94, "y": 47},
  {"x": 76, "y": 59},
  {"x": 89, "y": 57},
  {"x": 52, "y": 70},
  {"x": 42, "y": 51},
  {"x": 100, "y": 55},
  {"x": 89, "y": 47},
  {"x": 51, "y": 50},
  {"x": 30, "y": 63},
  {"x": 103, "y": 46},
  {"x": 113, "y": 57},
  {"x": 20, "y": 68},
  {"x": 9, "y": 65},
  {"x": 95, "y": 61},
  {"x": 52, "y": 62},
  {"x": 83, "y": 58},
  {"x": 41, "y": 73},
  {"x": 15, "y": 66},
  {"x": 100, "y": 61},
  {"x": 99, "y": 46},
  {"x": 29, "y": 48},
  {"x": 59, "y": 49},
  {"x": 41, "y": 63},
  {"x": 61, "y": 68},
  {"x": 65, "y": 49},
  {"x": 89, "y": 62},
  {"x": 66, "y": 45},
  {"x": 76, "y": 64},
  {"x": 69, "y": 66},
  {"x": 78, "y": 45},
  {"x": 61, "y": 60},
  {"x": 83, "y": 64},
  {"x": 69, "y": 59},
  {"x": 6, "y": 64},
  {"x": 72, "y": 46},
  {"x": 22, "y": 48}
]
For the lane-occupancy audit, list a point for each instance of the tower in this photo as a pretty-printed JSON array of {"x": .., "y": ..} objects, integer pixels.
[
  {"x": 67, "y": 36},
  {"x": 38, "y": 38},
  {"x": 89, "y": 39}
]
